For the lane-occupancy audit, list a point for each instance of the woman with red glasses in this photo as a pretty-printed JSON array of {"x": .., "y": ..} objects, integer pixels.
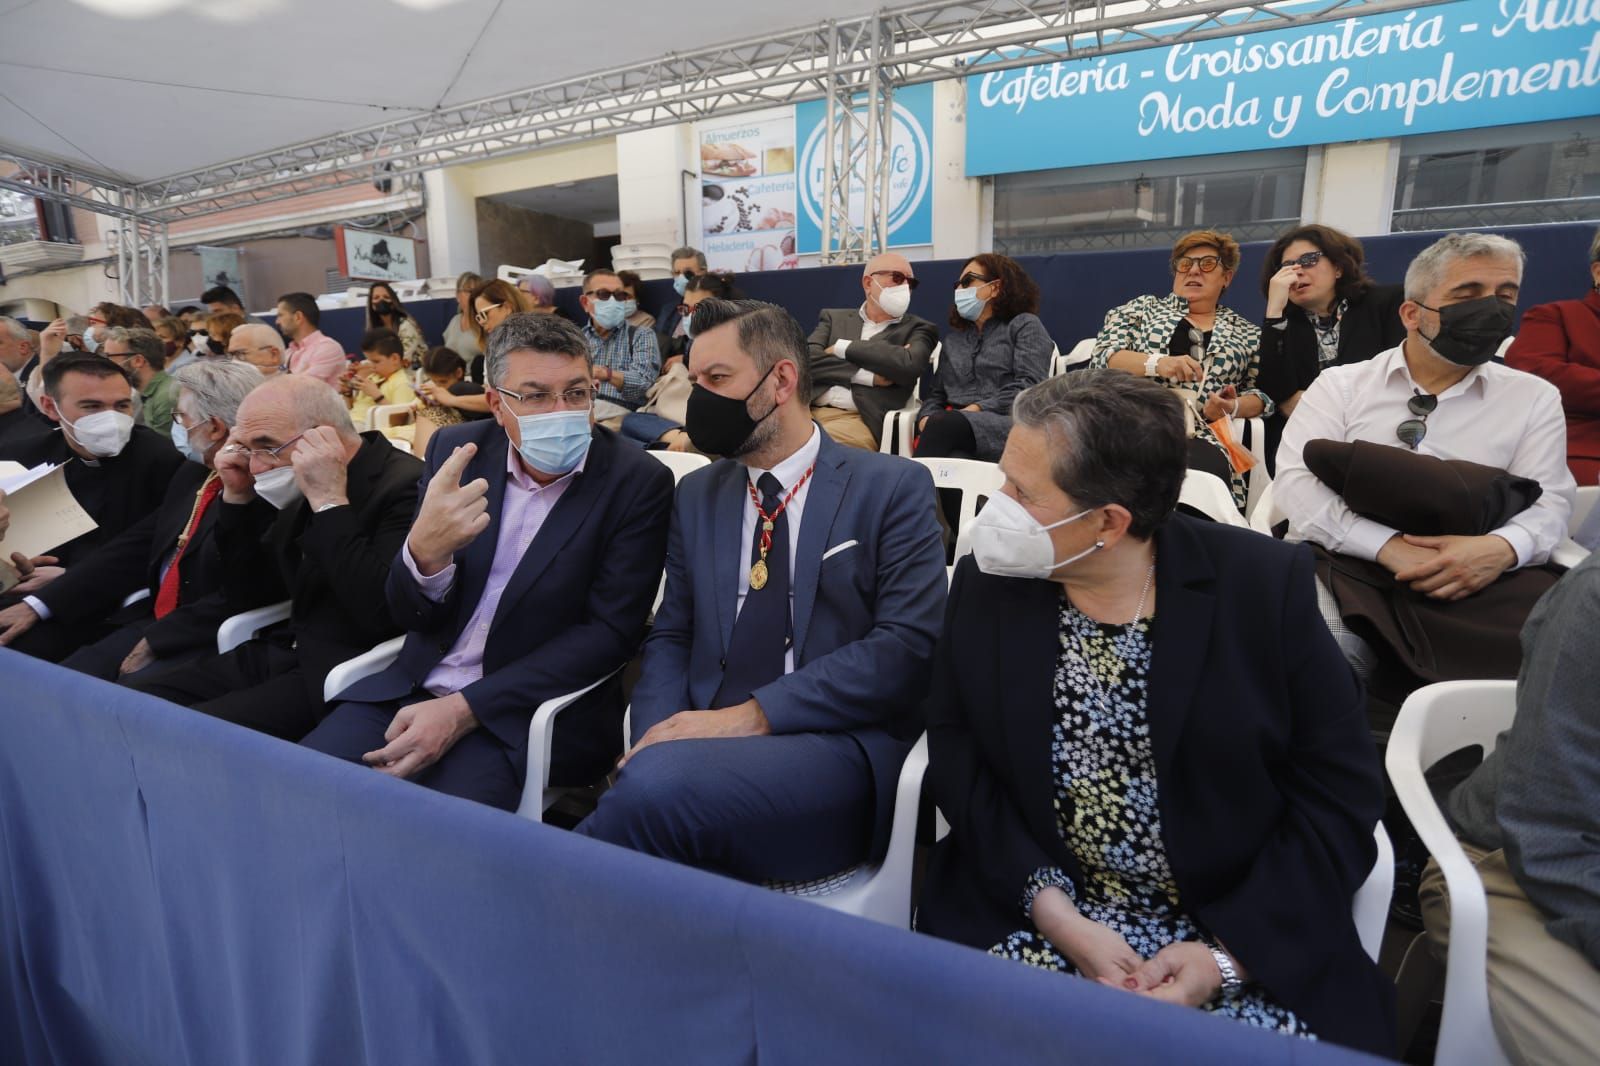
[
  {"x": 1186, "y": 340},
  {"x": 996, "y": 347}
]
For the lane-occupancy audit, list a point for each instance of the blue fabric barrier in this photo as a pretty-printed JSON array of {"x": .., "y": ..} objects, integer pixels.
[{"x": 175, "y": 891}]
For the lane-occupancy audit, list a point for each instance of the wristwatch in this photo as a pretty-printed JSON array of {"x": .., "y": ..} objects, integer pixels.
[
  {"x": 1150, "y": 364},
  {"x": 1231, "y": 983}
]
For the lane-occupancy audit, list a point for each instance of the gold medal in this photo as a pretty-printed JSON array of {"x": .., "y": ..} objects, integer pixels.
[{"x": 758, "y": 575}]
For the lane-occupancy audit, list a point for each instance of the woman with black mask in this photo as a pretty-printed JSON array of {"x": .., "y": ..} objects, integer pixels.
[{"x": 385, "y": 311}]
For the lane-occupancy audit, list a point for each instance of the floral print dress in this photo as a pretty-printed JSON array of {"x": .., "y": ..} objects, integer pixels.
[
  {"x": 1233, "y": 354},
  {"x": 1107, "y": 813}
]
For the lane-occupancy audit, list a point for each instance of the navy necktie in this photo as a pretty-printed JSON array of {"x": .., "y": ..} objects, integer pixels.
[{"x": 761, "y": 633}]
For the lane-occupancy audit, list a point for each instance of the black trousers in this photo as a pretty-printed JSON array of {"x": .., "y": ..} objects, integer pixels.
[
  {"x": 259, "y": 685},
  {"x": 948, "y": 435}
]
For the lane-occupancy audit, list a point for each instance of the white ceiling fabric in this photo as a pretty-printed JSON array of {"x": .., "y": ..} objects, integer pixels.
[{"x": 141, "y": 89}]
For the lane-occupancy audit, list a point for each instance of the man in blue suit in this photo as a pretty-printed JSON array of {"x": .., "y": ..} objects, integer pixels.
[
  {"x": 528, "y": 573},
  {"x": 782, "y": 683}
]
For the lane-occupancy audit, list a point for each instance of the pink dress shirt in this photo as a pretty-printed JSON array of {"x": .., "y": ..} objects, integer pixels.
[
  {"x": 320, "y": 356},
  {"x": 523, "y": 510}
]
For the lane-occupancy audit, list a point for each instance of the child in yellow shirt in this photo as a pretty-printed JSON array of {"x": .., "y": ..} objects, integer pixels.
[{"x": 383, "y": 380}]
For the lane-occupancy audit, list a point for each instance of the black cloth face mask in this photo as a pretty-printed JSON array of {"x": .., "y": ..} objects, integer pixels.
[
  {"x": 1471, "y": 332},
  {"x": 383, "y": 307},
  {"x": 720, "y": 425}
]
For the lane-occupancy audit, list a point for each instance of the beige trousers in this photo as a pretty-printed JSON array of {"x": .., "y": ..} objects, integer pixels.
[
  {"x": 1544, "y": 997},
  {"x": 845, "y": 427}
]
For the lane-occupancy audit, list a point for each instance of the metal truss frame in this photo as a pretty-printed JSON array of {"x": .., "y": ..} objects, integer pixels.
[{"x": 842, "y": 61}]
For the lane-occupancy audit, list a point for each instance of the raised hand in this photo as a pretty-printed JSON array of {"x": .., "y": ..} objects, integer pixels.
[
  {"x": 1278, "y": 287},
  {"x": 320, "y": 460},
  {"x": 452, "y": 514},
  {"x": 233, "y": 467}
]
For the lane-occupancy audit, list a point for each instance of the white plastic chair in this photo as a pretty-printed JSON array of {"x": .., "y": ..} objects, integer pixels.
[
  {"x": 680, "y": 463},
  {"x": 899, "y": 427},
  {"x": 1436, "y": 721},
  {"x": 380, "y": 416},
  {"x": 537, "y": 795},
  {"x": 236, "y": 630},
  {"x": 134, "y": 597},
  {"x": 1081, "y": 353},
  {"x": 1371, "y": 908},
  {"x": 879, "y": 891},
  {"x": 1588, "y": 496},
  {"x": 972, "y": 478},
  {"x": 1207, "y": 494},
  {"x": 366, "y": 664}
]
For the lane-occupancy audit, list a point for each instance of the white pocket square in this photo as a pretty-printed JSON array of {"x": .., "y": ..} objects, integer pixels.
[{"x": 837, "y": 548}]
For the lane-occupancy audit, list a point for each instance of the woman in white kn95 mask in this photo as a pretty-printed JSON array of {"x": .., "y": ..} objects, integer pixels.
[{"x": 1144, "y": 736}]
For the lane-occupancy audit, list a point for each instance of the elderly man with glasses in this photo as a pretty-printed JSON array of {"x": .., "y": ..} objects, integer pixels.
[
  {"x": 259, "y": 345},
  {"x": 313, "y": 512},
  {"x": 866, "y": 360},
  {"x": 528, "y": 573}
]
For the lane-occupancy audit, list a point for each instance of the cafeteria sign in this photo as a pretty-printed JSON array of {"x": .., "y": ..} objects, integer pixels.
[{"x": 1447, "y": 67}]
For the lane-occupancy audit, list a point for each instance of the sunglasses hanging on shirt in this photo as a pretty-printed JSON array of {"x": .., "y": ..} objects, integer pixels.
[{"x": 1412, "y": 430}]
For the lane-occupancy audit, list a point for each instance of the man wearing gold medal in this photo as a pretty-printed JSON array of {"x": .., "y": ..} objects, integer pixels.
[{"x": 782, "y": 682}]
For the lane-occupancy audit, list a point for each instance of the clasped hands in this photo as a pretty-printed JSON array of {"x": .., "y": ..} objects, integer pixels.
[
  {"x": 1183, "y": 972},
  {"x": 741, "y": 720},
  {"x": 1447, "y": 568}
]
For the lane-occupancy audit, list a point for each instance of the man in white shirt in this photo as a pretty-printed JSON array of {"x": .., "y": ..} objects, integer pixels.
[
  {"x": 865, "y": 361},
  {"x": 1440, "y": 394}
]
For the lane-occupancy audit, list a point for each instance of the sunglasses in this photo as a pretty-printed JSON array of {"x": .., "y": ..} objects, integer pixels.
[
  {"x": 607, "y": 294},
  {"x": 483, "y": 315},
  {"x": 1304, "y": 262},
  {"x": 894, "y": 277},
  {"x": 1412, "y": 430},
  {"x": 1197, "y": 345},
  {"x": 1206, "y": 263},
  {"x": 967, "y": 279}
]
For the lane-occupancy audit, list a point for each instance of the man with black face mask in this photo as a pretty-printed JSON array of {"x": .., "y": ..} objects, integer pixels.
[
  {"x": 1442, "y": 394},
  {"x": 782, "y": 682}
]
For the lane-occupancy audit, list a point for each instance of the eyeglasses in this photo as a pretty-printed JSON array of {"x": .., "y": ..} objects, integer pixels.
[
  {"x": 266, "y": 455},
  {"x": 897, "y": 278},
  {"x": 1197, "y": 345},
  {"x": 575, "y": 399},
  {"x": 607, "y": 294},
  {"x": 245, "y": 353},
  {"x": 1206, "y": 263},
  {"x": 482, "y": 315},
  {"x": 95, "y": 321},
  {"x": 691, "y": 275},
  {"x": 1412, "y": 430},
  {"x": 1304, "y": 262},
  {"x": 967, "y": 279}
]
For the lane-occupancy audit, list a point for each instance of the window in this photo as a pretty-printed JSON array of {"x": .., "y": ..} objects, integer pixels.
[
  {"x": 1252, "y": 195},
  {"x": 1500, "y": 176}
]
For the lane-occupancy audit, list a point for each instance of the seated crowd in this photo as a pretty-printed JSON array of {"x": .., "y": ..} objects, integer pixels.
[{"x": 1151, "y": 734}]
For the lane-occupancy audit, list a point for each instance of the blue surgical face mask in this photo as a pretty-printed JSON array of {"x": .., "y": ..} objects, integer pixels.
[
  {"x": 609, "y": 314},
  {"x": 969, "y": 305},
  {"x": 556, "y": 442},
  {"x": 680, "y": 282},
  {"x": 90, "y": 341},
  {"x": 629, "y": 309},
  {"x": 180, "y": 440}
]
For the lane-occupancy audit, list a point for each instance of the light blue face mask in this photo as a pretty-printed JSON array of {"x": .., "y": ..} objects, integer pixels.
[
  {"x": 680, "y": 283},
  {"x": 556, "y": 442},
  {"x": 609, "y": 314},
  {"x": 90, "y": 342},
  {"x": 969, "y": 305},
  {"x": 629, "y": 309},
  {"x": 180, "y": 440}
]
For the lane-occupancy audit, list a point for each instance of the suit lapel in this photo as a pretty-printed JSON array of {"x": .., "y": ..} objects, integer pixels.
[
  {"x": 850, "y": 328},
  {"x": 489, "y": 464},
  {"x": 562, "y": 522},
  {"x": 728, "y": 504},
  {"x": 1181, "y": 635},
  {"x": 1023, "y": 652},
  {"x": 823, "y": 497}
]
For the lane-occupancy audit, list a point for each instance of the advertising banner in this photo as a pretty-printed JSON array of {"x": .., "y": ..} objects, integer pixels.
[
  {"x": 369, "y": 256},
  {"x": 220, "y": 266},
  {"x": 747, "y": 190},
  {"x": 910, "y": 205},
  {"x": 1453, "y": 66}
]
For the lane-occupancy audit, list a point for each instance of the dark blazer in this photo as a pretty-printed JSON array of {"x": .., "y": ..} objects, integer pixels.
[
  {"x": 865, "y": 618},
  {"x": 575, "y": 607},
  {"x": 116, "y": 492},
  {"x": 900, "y": 353},
  {"x": 95, "y": 588},
  {"x": 19, "y": 427},
  {"x": 1269, "y": 782},
  {"x": 333, "y": 565},
  {"x": 1561, "y": 343}
]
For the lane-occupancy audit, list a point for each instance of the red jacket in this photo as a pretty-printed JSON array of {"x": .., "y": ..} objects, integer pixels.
[{"x": 1561, "y": 343}]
